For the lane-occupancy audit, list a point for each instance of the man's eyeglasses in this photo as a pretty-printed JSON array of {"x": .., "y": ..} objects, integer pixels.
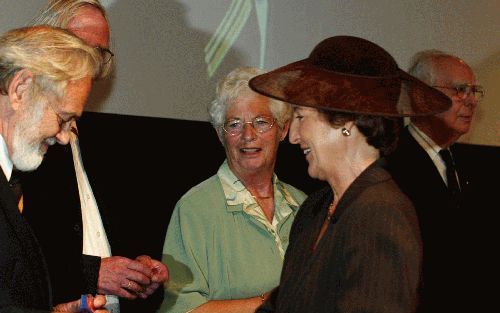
[
  {"x": 261, "y": 124},
  {"x": 64, "y": 124},
  {"x": 106, "y": 54},
  {"x": 464, "y": 90}
]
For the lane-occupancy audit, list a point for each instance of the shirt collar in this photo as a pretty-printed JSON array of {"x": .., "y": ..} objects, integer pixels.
[
  {"x": 238, "y": 197},
  {"x": 425, "y": 141},
  {"x": 430, "y": 147},
  {"x": 5, "y": 161}
]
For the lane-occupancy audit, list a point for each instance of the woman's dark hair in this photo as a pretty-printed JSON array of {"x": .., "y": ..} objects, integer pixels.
[{"x": 381, "y": 132}]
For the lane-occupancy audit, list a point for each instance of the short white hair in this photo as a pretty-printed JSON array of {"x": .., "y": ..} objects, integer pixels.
[
  {"x": 423, "y": 64},
  {"x": 234, "y": 86}
]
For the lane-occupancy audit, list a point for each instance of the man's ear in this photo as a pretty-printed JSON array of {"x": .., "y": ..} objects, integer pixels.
[{"x": 18, "y": 87}]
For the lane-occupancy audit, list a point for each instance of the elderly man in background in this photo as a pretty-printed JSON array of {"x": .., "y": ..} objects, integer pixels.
[
  {"x": 86, "y": 264},
  {"x": 437, "y": 178},
  {"x": 45, "y": 78}
]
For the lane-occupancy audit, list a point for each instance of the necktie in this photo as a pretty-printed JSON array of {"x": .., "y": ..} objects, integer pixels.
[
  {"x": 451, "y": 175},
  {"x": 15, "y": 186}
]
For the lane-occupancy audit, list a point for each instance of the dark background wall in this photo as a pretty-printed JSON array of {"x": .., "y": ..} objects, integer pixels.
[{"x": 140, "y": 166}]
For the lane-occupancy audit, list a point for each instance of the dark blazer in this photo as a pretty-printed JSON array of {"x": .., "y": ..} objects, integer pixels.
[
  {"x": 24, "y": 281},
  {"x": 369, "y": 259},
  {"x": 52, "y": 208},
  {"x": 453, "y": 232}
]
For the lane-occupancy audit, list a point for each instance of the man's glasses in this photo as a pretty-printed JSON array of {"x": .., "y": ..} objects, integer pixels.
[
  {"x": 106, "y": 54},
  {"x": 261, "y": 124},
  {"x": 64, "y": 124},
  {"x": 465, "y": 90}
]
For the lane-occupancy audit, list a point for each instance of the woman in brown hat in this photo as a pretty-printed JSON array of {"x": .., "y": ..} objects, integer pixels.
[{"x": 355, "y": 245}]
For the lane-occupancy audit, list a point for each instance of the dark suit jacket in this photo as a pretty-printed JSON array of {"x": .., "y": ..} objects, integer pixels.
[
  {"x": 369, "y": 260},
  {"x": 24, "y": 281},
  {"x": 52, "y": 207},
  {"x": 453, "y": 233}
]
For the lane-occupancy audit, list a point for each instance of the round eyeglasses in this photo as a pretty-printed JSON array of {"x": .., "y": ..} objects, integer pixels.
[
  {"x": 465, "y": 90},
  {"x": 261, "y": 124}
]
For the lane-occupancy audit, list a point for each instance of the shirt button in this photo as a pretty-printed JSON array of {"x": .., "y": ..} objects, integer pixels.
[{"x": 98, "y": 234}]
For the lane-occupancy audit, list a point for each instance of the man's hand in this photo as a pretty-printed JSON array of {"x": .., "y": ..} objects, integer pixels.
[
  {"x": 159, "y": 275},
  {"x": 123, "y": 277},
  {"x": 95, "y": 305}
]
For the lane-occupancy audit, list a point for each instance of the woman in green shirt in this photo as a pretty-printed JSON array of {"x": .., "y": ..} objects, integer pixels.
[{"x": 227, "y": 236}]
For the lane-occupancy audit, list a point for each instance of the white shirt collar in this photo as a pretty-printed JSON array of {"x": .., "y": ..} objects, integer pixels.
[
  {"x": 425, "y": 141},
  {"x": 5, "y": 161},
  {"x": 430, "y": 147}
]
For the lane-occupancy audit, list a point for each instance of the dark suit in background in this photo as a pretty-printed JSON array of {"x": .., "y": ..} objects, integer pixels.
[
  {"x": 455, "y": 232},
  {"x": 24, "y": 280}
]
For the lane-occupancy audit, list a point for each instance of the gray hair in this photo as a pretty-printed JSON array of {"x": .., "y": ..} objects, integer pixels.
[
  {"x": 59, "y": 13},
  {"x": 53, "y": 55},
  {"x": 234, "y": 86},
  {"x": 423, "y": 64}
]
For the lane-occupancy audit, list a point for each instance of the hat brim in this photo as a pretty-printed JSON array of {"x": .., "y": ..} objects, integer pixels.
[{"x": 301, "y": 83}]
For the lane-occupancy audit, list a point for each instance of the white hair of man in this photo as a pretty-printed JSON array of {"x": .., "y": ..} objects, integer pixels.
[
  {"x": 423, "y": 64},
  {"x": 59, "y": 13},
  {"x": 54, "y": 57}
]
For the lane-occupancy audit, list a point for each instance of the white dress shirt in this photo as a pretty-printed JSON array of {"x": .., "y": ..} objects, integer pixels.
[
  {"x": 431, "y": 148},
  {"x": 95, "y": 241},
  {"x": 5, "y": 161}
]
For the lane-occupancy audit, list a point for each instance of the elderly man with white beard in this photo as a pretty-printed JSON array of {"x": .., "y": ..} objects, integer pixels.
[{"x": 45, "y": 78}]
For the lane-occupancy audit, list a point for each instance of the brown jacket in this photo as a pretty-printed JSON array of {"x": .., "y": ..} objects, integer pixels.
[{"x": 369, "y": 259}]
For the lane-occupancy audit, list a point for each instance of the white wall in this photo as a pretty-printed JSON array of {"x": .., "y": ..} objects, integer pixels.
[{"x": 159, "y": 45}]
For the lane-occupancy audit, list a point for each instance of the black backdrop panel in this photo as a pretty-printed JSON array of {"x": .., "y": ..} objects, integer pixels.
[{"x": 140, "y": 166}]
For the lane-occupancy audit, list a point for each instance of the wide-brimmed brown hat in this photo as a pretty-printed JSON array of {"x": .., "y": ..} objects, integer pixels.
[{"x": 351, "y": 74}]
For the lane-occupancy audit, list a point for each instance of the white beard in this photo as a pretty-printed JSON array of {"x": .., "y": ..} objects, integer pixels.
[{"x": 27, "y": 147}]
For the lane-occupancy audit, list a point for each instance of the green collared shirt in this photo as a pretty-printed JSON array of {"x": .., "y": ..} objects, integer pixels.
[
  {"x": 220, "y": 246},
  {"x": 239, "y": 198}
]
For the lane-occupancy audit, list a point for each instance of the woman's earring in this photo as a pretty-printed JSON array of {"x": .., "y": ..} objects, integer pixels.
[{"x": 346, "y": 132}]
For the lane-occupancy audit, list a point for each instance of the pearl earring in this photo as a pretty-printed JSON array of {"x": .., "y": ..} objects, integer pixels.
[{"x": 346, "y": 132}]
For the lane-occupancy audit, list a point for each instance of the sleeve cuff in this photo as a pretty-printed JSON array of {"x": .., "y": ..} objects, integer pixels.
[{"x": 91, "y": 266}]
